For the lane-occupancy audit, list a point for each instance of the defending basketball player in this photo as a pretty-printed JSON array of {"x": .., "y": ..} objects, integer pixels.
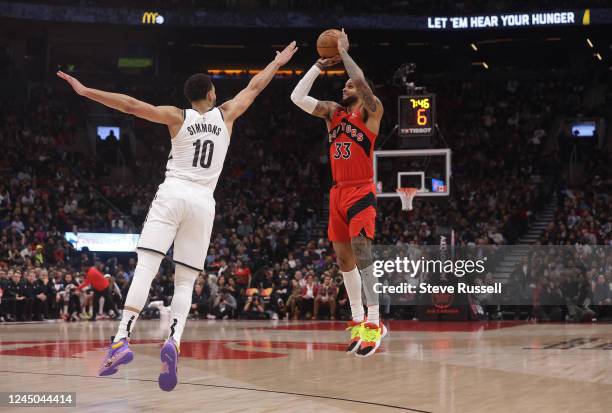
[
  {"x": 352, "y": 126},
  {"x": 183, "y": 208}
]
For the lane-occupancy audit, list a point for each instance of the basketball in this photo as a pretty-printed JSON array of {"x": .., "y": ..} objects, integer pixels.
[{"x": 327, "y": 43}]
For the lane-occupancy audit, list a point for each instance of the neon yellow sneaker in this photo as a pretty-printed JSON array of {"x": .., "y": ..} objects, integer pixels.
[
  {"x": 371, "y": 336},
  {"x": 355, "y": 328}
]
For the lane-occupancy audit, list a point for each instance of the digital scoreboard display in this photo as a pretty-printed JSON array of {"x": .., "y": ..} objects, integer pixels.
[{"x": 417, "y": 114}]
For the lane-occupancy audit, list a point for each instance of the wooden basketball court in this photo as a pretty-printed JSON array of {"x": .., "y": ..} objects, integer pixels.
[{"x": 301, "y": 366}]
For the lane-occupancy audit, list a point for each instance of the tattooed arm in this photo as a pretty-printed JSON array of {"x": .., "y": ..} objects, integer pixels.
[{"x": 370, "y": 102}]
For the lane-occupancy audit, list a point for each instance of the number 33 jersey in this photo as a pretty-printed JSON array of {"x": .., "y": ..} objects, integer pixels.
[
  {"x": 351, "y": 145},
  {"x": 199, "y": 148}
]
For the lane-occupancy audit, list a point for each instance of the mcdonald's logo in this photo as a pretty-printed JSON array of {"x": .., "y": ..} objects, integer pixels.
[
  {"x": 150, "y": 17},
  {"x": 586, "y": 17}
]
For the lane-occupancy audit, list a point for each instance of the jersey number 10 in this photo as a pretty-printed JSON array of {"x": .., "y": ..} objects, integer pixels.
[{"x": 205, "y": 156}]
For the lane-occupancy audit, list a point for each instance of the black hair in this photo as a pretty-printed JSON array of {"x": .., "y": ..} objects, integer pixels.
[{"x": 197, "y": 87}]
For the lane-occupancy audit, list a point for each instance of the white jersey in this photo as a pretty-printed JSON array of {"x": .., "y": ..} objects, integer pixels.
[{"x": 199, "y": 148}]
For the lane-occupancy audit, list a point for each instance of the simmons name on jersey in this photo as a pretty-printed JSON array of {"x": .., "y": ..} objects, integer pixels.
[{"x": 199, "y": 148}]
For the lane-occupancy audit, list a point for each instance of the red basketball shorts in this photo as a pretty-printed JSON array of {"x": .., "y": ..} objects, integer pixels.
[{"x": 352, "y": 211}]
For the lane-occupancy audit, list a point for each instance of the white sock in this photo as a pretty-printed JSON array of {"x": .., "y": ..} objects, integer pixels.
[
  {"x": 146, "y": 270},
  {"x": 373, "y": 316},
  {"x": 126, "y": 325},
  {"x": 352, "y": 282},
  {"x": 184, "y": 278},
  {"x": 371, "y": 297}
]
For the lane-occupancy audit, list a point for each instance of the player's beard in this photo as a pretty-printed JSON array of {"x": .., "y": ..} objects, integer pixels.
[{"x": 348, "y": 101}]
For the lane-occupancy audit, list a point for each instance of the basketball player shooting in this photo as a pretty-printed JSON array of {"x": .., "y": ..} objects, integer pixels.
[
  {"x": 352, "y": 126},
  {"x": 183, "y": 208}
]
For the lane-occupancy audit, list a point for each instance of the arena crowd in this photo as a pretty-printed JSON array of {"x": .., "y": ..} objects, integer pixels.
[{"x": 268, "y": 258}]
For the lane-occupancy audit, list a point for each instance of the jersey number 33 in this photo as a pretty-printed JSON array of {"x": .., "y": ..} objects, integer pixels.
[{"x": 343, "y": 150}]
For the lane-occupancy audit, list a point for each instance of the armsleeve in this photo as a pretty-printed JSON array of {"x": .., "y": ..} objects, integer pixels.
[{"x": 300, "y": 97}]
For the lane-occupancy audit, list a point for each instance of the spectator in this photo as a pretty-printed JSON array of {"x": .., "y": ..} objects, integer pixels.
[
  {"x": 243, "y": 276},
  {"x": 254, "y": 309},
  {"x": 35, "y": 297},
  {"x": 326, "y": 298},
  {"x": 292, "y": 304},
  {"x": 306, "y": 299},
  {"x": 225, "y": 305},
  {"x": 101, "y": 287},
  {"x": 280, "y": 297},
  {"x": 550, "y": 306},
  {"x": 200, "y": 300},
  {"x": 14, "y": 299},
  {"x": 343, "y": 308},
  {"x": 602, "y": 297}
]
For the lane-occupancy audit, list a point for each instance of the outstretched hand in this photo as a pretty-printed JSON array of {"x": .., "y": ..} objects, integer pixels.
[
  {"x": 328, "y": 62},
  {"x": 76, "y": 85},
  {"x": 283, "y": 57},
  {"x": 343, "y": 42}
]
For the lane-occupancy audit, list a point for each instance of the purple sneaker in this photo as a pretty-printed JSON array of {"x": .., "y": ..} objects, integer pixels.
[
  {"x": 118, "y": 353},
  {"x": 169, "y": 358}
]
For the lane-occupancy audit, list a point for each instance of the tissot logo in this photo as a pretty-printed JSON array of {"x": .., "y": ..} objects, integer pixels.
[{"x": 150, "y": 17}]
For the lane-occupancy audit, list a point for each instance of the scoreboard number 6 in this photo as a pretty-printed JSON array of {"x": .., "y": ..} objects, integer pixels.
[
  {"x": 416, "y": 115},
  {"x": 422, "y": 117}
]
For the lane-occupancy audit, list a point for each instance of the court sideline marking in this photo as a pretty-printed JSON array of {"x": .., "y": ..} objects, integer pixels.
[{"x": 231, "y": 388}]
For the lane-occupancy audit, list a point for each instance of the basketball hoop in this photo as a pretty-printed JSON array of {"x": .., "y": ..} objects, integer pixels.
[{"x": 407, "y": 196}]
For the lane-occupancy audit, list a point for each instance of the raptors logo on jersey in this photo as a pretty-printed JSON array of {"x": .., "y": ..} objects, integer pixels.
[
  {"x": 352, "y": 199},
  {"x": 351, "y": 145}
]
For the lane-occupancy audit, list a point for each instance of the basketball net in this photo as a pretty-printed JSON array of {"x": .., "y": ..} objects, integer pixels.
[{"x": 406, "y": 196}]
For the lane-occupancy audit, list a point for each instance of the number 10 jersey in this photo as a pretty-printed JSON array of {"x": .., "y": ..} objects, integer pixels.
[{"x": 199, "y": 148}]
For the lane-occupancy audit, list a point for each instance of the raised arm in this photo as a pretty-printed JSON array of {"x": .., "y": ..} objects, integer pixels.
[
  {"x": 299, "y": 96},
  {"x": 232, "y": 109},
  {"x": 371, "y": 102},
  {"x": 167, "y": 115}
]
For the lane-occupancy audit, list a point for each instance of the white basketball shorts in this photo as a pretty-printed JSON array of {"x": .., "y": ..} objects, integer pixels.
[{"x": 182, "y": 212}]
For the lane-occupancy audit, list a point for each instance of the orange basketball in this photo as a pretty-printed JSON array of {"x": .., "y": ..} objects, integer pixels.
[{"x": 327, "y": 43}]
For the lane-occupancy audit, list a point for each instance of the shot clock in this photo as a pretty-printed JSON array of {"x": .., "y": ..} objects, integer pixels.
[{"x": 417, "y": 115}]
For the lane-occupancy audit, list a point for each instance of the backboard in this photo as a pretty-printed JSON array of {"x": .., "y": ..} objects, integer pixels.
[{"x": 428, "y": 170}]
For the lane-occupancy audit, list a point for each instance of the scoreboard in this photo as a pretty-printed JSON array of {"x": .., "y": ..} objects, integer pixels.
[{"x": 417, "y": 115}]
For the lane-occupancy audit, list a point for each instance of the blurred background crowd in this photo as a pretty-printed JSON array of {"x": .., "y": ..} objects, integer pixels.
[{"x": 268, "y": 257}]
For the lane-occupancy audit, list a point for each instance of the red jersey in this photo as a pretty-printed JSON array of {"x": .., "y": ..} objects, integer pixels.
[
  {"x": 242, "y": 275},
  {"x": 351, "y": 147},
  {"x": 96, "y": 279}
]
